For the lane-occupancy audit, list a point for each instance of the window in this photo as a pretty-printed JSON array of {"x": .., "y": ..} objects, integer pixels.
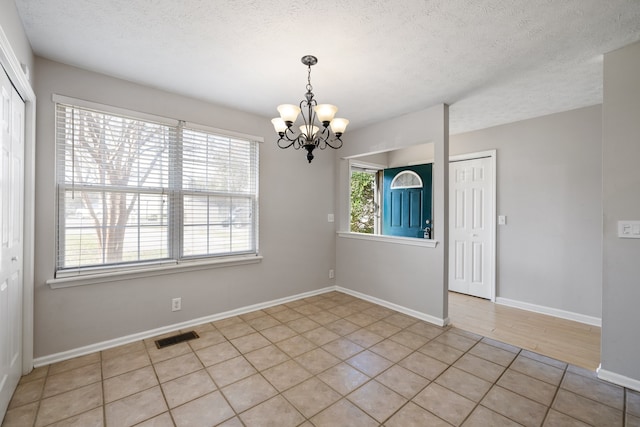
[
  {"x": 134, "y": 190},
  {"x": 364, "y": 205},
  {"x": 406, "y": 179}
]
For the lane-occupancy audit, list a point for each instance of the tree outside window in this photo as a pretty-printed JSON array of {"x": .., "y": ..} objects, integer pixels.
[{"x": 363, "y": 202}]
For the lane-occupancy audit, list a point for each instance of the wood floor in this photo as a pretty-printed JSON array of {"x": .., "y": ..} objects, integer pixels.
[{"x": 572, "y": 342}]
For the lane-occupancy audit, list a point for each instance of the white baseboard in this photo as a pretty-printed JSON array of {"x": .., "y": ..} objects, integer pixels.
[
  {"x": 104, "y": 345},
  {"x": 409, "y": 312},
  {"x": 612, "y": 377},
  {"x": 576, "y": 317}
]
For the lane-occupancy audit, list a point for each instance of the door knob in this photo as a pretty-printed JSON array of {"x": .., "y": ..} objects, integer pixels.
[{"x": 15, "y": 258}]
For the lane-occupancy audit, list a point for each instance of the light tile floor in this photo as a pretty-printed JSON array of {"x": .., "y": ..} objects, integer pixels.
[{"x": 329, "y": 360}]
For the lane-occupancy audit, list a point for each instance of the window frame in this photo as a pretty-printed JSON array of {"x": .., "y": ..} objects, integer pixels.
[{"x": 175, "y": 260}]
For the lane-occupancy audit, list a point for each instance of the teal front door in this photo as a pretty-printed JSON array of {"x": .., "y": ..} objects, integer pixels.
[{"x": 406, "y": 200}]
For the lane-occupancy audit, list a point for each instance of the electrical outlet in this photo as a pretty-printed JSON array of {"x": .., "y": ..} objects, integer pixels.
[
  {"x": 331, "y": 274},
  {"x": 176, "y": 304}
]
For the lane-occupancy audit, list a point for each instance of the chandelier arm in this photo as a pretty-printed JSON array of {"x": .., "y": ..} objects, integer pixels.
[
  {"x": 299, "y": 142},
  {"x": 282, "y": 143},
  {"x": 336, "y": 139},
  {"x": 322, "y": 138},
  {"x": 290, "y": 134}
]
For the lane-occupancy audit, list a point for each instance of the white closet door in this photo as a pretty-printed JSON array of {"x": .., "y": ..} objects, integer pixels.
[
  {"x": 470, "y": 252},
  {"x": 11, "y": 238}
]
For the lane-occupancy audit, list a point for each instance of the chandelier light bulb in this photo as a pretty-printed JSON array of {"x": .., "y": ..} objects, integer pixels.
[
  {"x": 279, "y": 125},
  {"x": 338, "y": 126},
  {"x": 309, "y": 131},
  {"x": 289, "y": 112},
  {"x": 325, "y": 112}
]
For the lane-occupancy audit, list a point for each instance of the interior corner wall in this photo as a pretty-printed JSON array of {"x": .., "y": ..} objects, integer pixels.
[
  {"x": 549, "y": 187},
  {"x": 11, "y": 26},
  {"x": 621, "y": 201},
  {"x": 296, "y": 240},
  {"x": 412, "y": 277}
]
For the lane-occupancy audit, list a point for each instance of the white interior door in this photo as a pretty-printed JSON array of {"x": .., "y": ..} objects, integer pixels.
[
  {"x": 471, "y": 227},
  {"x": 11, "y": 238}
]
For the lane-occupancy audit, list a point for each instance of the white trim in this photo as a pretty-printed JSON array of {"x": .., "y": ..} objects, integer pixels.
[
  {"x": 150, "y": 271},
  {"x": 355, "y": 163},
  {"x": 550, "y": 311},
  {"x": 12, "y": 66},
  {"x": 621, "y": 380},
  {"x": 471, "y": 156},
  {"x": 408, "y": 311},
  {"x": 492, "y": 155},
  {"x": 104, "y": 345},
  {"x": 421, "y": 162},
  {"x": 407, "y": 241}
]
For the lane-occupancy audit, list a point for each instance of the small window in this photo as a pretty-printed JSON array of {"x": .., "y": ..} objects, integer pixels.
[
  {"x": 406, "y": 179},
  {"x": 364, "y": 201}
]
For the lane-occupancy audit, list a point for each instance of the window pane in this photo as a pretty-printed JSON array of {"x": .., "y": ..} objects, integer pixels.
[
  {"x": 113, "y": 227},
  {"x": 216, "y": 225},
  {"x": 363, "y": 206},
  {"x": 219, "y": 181},
  {"x": 195, "y": 240}
]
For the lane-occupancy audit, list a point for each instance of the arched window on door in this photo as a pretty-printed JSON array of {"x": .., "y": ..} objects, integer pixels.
[{"x": 406, "y": 179}]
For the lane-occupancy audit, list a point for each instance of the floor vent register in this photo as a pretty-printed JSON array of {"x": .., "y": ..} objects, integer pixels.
[{"x": 176, "y": 339}]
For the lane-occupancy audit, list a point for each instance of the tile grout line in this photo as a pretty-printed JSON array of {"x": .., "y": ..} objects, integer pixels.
[
  {"x": 155, "y": 373},
  {"x": 104, "y": 398}
]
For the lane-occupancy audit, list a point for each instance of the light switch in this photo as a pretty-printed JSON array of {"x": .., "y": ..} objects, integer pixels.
[
  {"x": 330, "y": 217},
  {"x": 629, "y": 229},
  {"x": 502, "y": 219}
]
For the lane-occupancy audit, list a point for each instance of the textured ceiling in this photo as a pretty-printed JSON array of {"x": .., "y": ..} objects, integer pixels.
[{"x": 492, "y": 61}]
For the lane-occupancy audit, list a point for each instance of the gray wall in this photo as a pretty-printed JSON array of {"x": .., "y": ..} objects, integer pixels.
[
  {"x": 11, "y": 25},
  {"x": 621, "y": 183},
  {"x": 549, "y": 187},
  {"x": 410, "y": 276},
  {"x": 293, "y": 221}
]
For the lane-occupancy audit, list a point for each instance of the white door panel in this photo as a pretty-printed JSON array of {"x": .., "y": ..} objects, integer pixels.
[
  {"x": 11, "y": 238},
  {"x": 470, "y": 227}
]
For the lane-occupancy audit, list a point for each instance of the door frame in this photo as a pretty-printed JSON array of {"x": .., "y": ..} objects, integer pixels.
[
  {"x": 20, "y": 81},
  {"x": 492, "y": 220}
]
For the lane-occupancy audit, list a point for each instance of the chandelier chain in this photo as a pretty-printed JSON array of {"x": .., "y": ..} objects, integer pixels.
[{"x": 309, "y": 87}]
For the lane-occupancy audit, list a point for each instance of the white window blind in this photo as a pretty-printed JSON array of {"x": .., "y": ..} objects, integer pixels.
[
  {"x": 219, "y": 194},
  {"x": 133, "y": 191}
]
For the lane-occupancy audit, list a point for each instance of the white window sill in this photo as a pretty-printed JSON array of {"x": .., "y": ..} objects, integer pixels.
[
  {"x": 410, "y": 241},
  {"x": 160, "y": 270}
]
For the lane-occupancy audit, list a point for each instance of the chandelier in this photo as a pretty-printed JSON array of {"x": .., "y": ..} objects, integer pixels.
[{"x": 310, "y": 136}]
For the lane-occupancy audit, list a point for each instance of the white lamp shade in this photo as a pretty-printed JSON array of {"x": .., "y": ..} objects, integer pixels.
[
  {"x": 309, "y": 131},
  {"x": 325, "y": 112},
  {"x": 339, "y": 125},
  {"x": 288, "y": 112},
  {"x": 279, "y": 125}
]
